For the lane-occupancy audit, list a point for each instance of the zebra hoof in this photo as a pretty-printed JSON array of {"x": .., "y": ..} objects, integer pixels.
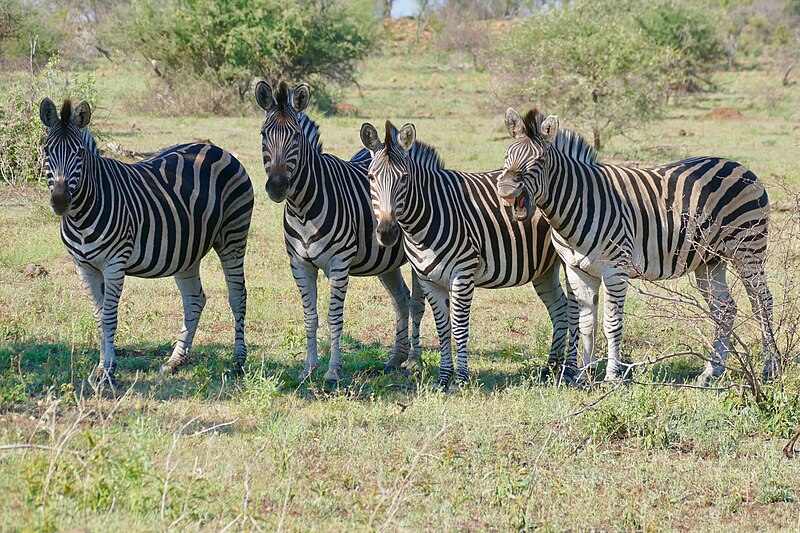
[
  {"x": 306, "y": 373},
  {"x": 237, "y": 369},
  {"x": 332, "y": 376},
  {"x": 711, "y": 372},
  {"x": 389, "y": 368},
  {"x": 770, "y": 370},
  {"x": 169, "y": 368},
  {"x": 414, "y": 365},
  {"x": 102, "y": 378}
]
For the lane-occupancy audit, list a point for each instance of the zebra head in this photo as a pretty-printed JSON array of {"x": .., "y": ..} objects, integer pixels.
[
  {"x": 282, "y": 138},
  {"x": 388, "y": 176},
  {"x": 65, "y": 148},
  {"x": 525, "y": 171}
]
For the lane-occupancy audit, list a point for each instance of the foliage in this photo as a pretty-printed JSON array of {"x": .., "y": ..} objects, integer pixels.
[
  {"x": 27, "y": 25},
  {"x": 586, "y": 62},
  {"x": 234, "y": 42},
  {"x": 689, "y": 30},
  {"x": 21, "y": 131}
]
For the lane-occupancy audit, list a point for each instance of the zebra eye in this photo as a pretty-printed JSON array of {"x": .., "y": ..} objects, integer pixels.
[{"x": 371, "y": 176}]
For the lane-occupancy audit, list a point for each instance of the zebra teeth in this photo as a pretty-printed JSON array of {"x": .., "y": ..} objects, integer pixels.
[{"x": 508, "y": 202}]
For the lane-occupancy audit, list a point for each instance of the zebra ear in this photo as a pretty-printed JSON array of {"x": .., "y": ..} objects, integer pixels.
[
  {"x": 369, "y": 137},
  {"x": 48, "y": 113},
  {"x": 514, "y": 124},
  {"x": 549, "y": 128},
  {"x": 406, "y": 137},
  {"x": 82, "y": 115},
  {"x": 301, "y": 97},
  {"x": 264, "y": 97}
]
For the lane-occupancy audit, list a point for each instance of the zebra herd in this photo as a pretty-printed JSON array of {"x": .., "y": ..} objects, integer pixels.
[{"x": 552, "y": 204}]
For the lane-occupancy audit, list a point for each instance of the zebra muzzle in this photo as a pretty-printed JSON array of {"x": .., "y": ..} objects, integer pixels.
[
  {"x": 387, "y": 233},
  {"x": 60, "y": 198}
]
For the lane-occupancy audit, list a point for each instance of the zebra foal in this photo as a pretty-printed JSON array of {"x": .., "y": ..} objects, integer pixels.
[
  {"x": 151, "y": 219},
  {"x": 613, "y": 223},
  {"x": 458, "y": 237},
  {"x": 328, "y": 225}
]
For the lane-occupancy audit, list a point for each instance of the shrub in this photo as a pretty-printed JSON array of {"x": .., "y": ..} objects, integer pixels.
[
  {"x": 587, "y": 61},
  {"x": 233, "y": 42},
  {"x": 24, "y": 25},
  {"x": 21, "y": 132},
  {"x": 689, "y": 31}
]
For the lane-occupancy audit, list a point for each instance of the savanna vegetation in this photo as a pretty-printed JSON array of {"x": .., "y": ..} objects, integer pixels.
[{"x": 203, "y": 451}]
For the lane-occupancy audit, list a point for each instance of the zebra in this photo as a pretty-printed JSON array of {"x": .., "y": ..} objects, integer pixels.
[
  {"x": 613, "y": 223},
  {"x": 328, "y": 226},
  {"x": 458, "y": 237},
  {"x": 155, "y": 218}
]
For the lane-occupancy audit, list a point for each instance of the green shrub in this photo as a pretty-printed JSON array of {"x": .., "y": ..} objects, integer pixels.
[
  {"x": 21, "y": 131},
  {"x": 234, "y": 42},
  {"x": 687, "y": 29},
  {"x": 27, "y": 27},
  {"x": 585, "y": 60}
]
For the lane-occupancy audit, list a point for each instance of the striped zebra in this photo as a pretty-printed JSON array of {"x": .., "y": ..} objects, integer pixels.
[
  {"x": 151, "y": 219},
  {"x": 612, "y": 223},
  {"x": 458, "y": 237},
  {"x": 328, "y": 226}
]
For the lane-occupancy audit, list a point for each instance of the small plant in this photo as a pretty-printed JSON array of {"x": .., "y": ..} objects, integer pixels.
[{"x": 260, "y": 391}]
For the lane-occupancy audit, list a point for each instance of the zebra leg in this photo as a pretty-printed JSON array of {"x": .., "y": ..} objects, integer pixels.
[
  {"x": 571, "y": 364},
  {"x": 113, "y": 279},
  {"x": 194, "y": 300},
  {"x": 92, "y": 280},
  {"x": 438, "y": 298},
  {"x": 548, "y": 288},
  {"x": 585, "y": 288},
  {"x": 417, "y": 311},
  {"x": 615, "y": 288},
  {"x": 339, "y": 276},
  {"x": 232, "y": 261},
  {"x": 463, "y": 289},
  {"x": 396, "y": 287},
  {"x": 305, "y": 277},
  {"x": 755, "y": 283},
  {"x": 714, "y": 287}
]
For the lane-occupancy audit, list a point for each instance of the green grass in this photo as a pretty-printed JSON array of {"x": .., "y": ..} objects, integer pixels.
[{"x": 378, "y": 452}]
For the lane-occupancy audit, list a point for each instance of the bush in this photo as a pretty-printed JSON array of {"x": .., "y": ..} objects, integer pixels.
[
  {"x": 21, "y": 131},
  {"x": 233, "y": 42},
  {"x": 587, "y": 61},
  {"x": 690, "y": 31},
  {"x": 24, "y": 25}
]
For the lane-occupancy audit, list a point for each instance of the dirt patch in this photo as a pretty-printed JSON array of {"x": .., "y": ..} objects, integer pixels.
[{"x": 723, "y": 113}]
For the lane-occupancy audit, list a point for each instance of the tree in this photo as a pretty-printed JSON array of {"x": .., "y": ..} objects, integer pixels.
[
  {"x": 231, "y": 42},
  {"x": 585, "y": 60}
]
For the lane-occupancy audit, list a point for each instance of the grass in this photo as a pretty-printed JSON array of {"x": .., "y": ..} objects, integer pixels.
[{"x": 199, "y": 451}]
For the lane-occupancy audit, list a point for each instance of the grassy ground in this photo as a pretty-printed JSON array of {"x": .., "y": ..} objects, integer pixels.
[{"x": 199, "y": 451}]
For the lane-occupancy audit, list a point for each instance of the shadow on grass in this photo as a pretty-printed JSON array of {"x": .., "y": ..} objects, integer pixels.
[{"x": 31, "y": 370}]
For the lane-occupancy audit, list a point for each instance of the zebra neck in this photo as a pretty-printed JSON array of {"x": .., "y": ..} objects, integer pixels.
[
  {"x": 420, "y": 200},
  {"x": 568, "y": 194},
  {"x": 88, "y": 190},
  {"x": 307, "y": 187}
]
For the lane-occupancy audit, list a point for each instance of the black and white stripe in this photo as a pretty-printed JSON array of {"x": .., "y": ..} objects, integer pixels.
[
  {"x": 458, "y": 237},
  {"x": 151, "y": 219},
  {"x": 328, "y": 225},
  {"x": 613, "y": 223}
]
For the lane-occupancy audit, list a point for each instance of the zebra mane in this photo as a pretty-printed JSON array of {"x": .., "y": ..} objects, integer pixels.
[
  {"x": 66, "y": 111},
  {"x": 311, "y": 131},
  {"x": 421, "y": 153},
  {"x": 569, "y": 142}
]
